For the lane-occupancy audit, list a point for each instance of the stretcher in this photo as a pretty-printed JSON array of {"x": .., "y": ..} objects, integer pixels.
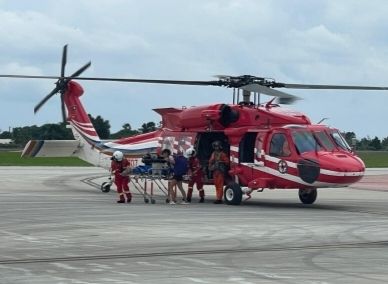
[{"x": 144, "y": 179}]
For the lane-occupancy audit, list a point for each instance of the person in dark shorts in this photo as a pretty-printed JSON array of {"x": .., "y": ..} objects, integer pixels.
[{"x": 179, "y": 168}]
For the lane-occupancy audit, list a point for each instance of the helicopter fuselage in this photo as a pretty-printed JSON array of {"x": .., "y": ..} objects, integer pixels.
[
  {"x": 268, "y": 146},
  {"x": 253, "y": 136}
]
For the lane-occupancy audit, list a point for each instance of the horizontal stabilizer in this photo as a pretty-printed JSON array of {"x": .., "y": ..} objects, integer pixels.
[
  {"x": 163, "y": 111},
  {"x": 51, "y": 148}
]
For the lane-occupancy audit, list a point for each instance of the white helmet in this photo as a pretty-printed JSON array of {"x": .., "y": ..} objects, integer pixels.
[
  {"x": 118, "y": 155},
  {"x": 190, "y": 152}
]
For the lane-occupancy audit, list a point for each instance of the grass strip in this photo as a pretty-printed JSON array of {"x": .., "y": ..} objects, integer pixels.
[{"x": 12, "y": 158}]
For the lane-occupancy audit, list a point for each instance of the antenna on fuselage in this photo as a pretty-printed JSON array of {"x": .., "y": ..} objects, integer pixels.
[{"x": 322, "y": 120}]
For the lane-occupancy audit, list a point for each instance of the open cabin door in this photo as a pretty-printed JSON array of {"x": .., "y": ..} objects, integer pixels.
[
  {"x": 203, "y": 145},
  {"x": 251, "y": 154}
]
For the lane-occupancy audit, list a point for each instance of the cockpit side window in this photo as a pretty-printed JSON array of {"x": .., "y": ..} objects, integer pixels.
[
  {"x": 279, "y": 146},
  {"x": 340, "y": 141}
]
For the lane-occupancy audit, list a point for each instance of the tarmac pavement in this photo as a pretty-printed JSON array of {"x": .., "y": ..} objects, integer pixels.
[{"x": 57, "y": 227}]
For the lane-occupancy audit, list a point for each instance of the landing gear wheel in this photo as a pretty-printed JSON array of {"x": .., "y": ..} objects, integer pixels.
[
  {"x": 105, "y": 187},
  {"x": 308, "y": 196},
  {"x": 233, "y": 194},
  {"x": 146, "y": 200}
]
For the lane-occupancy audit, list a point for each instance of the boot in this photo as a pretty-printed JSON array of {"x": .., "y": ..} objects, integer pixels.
[
  {"x": 189, "y": 194},
  {"x": 129, "y": 197},
  {"x": 121, "y": 198},
  {"x": 201, "y": 195}
]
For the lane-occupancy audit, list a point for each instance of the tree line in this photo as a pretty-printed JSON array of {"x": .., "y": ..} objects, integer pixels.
[
  {"x": 21, "y": 135},
  {"x": 366, "y": 143},
  {"x": 58, "y": 131}
]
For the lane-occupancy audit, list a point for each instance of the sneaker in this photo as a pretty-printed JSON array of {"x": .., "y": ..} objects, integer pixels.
[
  {"x": 184, "y": 202},
  {"x": 202, "y": 200},
  {"x": 120, "y": 201},
  {"x": 172, "y": 202},
  {"x": 218, "y": 202},
  {"x": 188, "y": 200}
]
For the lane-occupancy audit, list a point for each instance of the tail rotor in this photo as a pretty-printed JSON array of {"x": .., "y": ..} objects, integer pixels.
[{"x": 61, "y": 84}]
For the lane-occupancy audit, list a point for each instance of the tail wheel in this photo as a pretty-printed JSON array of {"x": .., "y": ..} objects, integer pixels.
[
  {"x": 105, "y": 187},
  {"x": 233, "y": 194},
  {"x": 308, "y": 195}
]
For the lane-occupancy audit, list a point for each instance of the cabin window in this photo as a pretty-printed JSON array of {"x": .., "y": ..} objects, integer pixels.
[
  {"x": 247, "y": 148},
  {"x": 279, "y": 146}
]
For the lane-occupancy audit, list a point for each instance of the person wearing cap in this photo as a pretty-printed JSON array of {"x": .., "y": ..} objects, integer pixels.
[
  {"x": 218, "y": 164},
  {"x": 119, "y": 168}
]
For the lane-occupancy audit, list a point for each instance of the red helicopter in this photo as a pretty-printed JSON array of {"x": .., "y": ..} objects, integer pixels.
[{"x": 269, "y": 147}]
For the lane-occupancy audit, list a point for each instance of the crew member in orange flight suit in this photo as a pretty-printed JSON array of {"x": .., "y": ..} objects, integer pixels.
[
  {"x": 119, "y": 167},
  {"x": 195, "y": 174},
  {"x": 218, "y": 163}
]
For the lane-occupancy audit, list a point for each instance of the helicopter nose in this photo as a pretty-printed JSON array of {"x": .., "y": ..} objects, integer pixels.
[{"x": 341, "y": 168}]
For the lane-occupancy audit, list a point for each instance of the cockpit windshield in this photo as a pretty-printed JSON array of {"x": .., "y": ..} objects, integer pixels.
[
  {"x": 305, "y": 141},
  {"x": 314, "y": 141},
  {"x": 324, "y": 140},
  {"x": 340, "y": 141}
]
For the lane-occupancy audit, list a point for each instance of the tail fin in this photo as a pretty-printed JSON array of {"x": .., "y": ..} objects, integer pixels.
[
  {"x": 77, "y": 116},
  {"x": 90, "y": 148},
  {"x": 87, "y": 145}
]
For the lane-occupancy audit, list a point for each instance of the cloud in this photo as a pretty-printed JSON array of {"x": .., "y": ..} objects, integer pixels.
[{"x": 333, "y": 42}]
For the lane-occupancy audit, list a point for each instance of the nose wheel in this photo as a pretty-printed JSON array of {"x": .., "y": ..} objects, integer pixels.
[{"x": 308, "y": 195}]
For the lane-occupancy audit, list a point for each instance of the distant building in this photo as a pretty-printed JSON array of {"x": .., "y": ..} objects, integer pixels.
[{"x": 5, "y": 141}]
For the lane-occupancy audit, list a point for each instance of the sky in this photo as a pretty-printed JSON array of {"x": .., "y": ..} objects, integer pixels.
[{"x": 293, "y": 41}]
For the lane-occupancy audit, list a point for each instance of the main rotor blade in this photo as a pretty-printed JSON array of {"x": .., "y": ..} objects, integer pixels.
[
  {"x": 64, "y": 60},
  {"x": 193, "y": 83},
  {"x": 329, "y": 87},
  {"x": 149, "y": 81},
  {"x": 45, "y": 99},
  {"x": 30, "y": 77},
  {"x": 284, "y": 98},
  {"x": 82, "y": 69}
]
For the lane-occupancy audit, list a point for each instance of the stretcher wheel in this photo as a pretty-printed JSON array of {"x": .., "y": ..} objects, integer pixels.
[
  {"x": 153, "y": 201},
  {"x": 146, "y": 200},
  {"x": 105, "y": 187}
]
